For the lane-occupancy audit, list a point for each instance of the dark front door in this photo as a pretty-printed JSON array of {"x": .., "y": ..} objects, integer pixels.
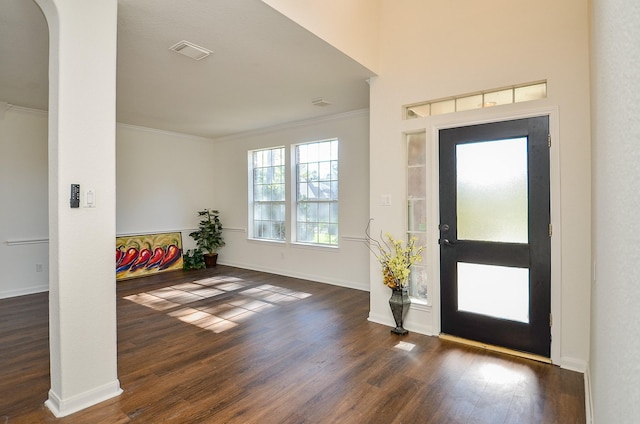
[{"x": 495, "y": 249}]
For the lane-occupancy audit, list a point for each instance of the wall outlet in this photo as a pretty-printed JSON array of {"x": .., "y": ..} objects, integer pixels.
[{"x": 38, "y": 267}]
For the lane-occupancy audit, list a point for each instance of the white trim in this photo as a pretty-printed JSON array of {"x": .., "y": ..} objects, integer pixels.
[
  {"x": 279, "y": 127},
  {"x": 384, "y": 319},
  {"x": 24, "y": 109},
  {"x": 144, "y": 233},
  {"x": 38, "y": 288},
  {"x": 183, "y": 230},
  {"x": 420, "y": 327},
  {"x": 27, "y": 241},
  {"x": 311, "y": 277},
  {"x": 356, "y": 239},
  {"x": 315, "y": 246},
  {"x": 572, "y": 364},
  {"x": 588, "y": 397},
  {"x": 433, "y": 125},
  {"x": 233, "y": 229},
  {"x": 63, "y": 407},
  {"x": 294, "y": 124},
  {"x": 164, "y": 132}
]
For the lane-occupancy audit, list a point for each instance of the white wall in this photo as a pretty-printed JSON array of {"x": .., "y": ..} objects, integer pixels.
[
  {"x": 162, "y": 180},
  {"x": 346, "y": 266},
  {"x": 350, "y": 26},
  {"x": 432, "y": 49},
  {"x": 615, "y": 334},
  {"x": 24, "y": 207}
]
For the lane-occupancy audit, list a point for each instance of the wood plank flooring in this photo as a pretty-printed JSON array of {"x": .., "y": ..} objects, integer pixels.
[{"x": 235, "y": 346}]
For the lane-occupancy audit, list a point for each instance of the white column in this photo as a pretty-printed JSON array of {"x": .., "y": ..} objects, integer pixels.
[{"x": 82, "y": 299}]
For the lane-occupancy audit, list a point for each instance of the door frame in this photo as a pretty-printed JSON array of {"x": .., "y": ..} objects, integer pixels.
[{"x": 441, "y": 122}]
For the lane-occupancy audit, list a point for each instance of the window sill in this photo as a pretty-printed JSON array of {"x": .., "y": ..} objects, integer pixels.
[
  {"x": 297, "y": 245},
  {"x": 420, "y": 304},
  {"x": 323, "y": 247},
  {"x": 266, "y": 241}
]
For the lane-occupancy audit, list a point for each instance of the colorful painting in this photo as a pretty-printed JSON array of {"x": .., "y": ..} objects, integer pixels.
[{"x": 141, "y": 255}]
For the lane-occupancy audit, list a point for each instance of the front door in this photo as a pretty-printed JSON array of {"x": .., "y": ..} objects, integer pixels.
[{"x": 495, "y": 249}]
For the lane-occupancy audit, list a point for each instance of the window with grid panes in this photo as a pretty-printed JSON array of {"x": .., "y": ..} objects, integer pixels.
[
  {"x": 417, "y": 209},
  {"x": 268, "y": 194},
  {"x": 316, "y": 176}
]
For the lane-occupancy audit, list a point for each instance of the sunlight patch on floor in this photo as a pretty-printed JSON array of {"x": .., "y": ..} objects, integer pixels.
[
  {"x": 495, "y": 373},
  {"x": 220, "y": 317},
  {"x": 405, "y": 346},
  {"x": 152, "y": 302}
]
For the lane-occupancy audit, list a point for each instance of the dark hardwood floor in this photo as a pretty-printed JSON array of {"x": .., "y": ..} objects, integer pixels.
[{"x": 237, "y": 346}]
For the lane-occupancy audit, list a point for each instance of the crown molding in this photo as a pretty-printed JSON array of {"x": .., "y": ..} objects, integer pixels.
[
  {"x": 23, "y": 109},
  {"x": 163, "y": 132},
  {"x": 294, "y": 124}
]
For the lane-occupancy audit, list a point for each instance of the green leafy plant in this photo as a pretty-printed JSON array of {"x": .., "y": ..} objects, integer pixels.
[
  {"x": 208, "y": 237},
  {"x": 193, "y": 259}
]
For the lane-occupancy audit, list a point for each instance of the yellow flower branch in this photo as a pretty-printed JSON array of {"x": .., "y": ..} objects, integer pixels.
[{"x": 396, "y": 260}]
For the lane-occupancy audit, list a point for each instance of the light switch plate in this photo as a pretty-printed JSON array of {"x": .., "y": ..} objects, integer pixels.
[{"x": 90, "y": 198}]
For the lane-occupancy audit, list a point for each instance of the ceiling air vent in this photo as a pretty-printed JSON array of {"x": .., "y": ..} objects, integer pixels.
[{"x": 190, "y": 50}]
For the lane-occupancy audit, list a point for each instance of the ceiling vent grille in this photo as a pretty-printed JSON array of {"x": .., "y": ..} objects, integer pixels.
[{"x": 190, "y": 50}]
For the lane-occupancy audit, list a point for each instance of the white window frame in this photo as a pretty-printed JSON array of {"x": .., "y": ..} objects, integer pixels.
[
  {"x": 256, "y": 217},
  {"x": 325, "y": 190}
]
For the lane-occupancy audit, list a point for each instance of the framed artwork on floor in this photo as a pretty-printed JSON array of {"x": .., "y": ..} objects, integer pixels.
[{"x": 145, "y": 254}]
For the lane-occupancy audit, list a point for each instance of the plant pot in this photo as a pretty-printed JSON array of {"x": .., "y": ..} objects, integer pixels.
[
  {"x": 210, "y": 259},
  {"x": 399, "y": 304}
]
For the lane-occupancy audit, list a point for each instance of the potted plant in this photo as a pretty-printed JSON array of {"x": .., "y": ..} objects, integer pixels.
[
  {"x": 396, "y": 260},
  {"x": 193, "y": 259},
  {"x": 208, "y": 237}
]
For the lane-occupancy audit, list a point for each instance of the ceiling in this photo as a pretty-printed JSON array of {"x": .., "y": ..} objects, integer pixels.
[{"x": 264, "y": 71}]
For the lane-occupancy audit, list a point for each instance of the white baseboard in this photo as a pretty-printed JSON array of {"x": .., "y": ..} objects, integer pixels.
[
  {"x": 5, "y": 294},
  {"x": 573, "y": 364},
  {"x": 419, "y": 328},
  {"x": 588, "y": 399},
  {"x": 381, "y": 319},
  {"x": 63, "y": 407},
  {"x": 302, "y": 276},
  {"x": 414, "y": 325}
]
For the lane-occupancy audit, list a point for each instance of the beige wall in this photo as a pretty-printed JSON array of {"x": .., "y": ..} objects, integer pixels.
[
  {"x": 346, "y": 266},
  {"x": 433, "y": 49},
  {"x": 350, "y": 26},
  {"x": 429, "y": 50},
  {"x": 162, "y": 180},
  {"x": 24, "y": 232}
]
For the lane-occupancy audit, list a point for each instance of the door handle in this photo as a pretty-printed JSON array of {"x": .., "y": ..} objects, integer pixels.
[{"x": 446, "y": 242}]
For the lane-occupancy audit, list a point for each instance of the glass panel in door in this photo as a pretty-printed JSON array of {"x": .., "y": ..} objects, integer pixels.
[{"x": 491, "y": 189}]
